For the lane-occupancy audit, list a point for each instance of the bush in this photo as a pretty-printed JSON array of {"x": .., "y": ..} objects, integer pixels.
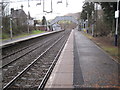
[
  {"x": 4, "y": 36},
  {"x": 16, "y": 28},
  {"x": 102, "y": 29}
]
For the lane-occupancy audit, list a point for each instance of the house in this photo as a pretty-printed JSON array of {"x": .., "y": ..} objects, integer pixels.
[{"x": 19, "y": 17}]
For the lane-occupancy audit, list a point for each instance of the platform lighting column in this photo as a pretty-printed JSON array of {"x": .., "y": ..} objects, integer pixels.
[
  {"x": 95, "y": 18},
  {"x": 116, "y": 31},
  {"x": 87, "y": 21},
  {"x": 28, "y": 18},
  {"x": 43, "y": 5},
  {"x": 82, "y": 24},
  {"x": 93, "y": 21},
  {"x": 1, "y": 15},
  {"x": 11, "y": 32},
  {"x": 66, "y": 3},
  {"x": 93, "y": 24},
  {"x": 51, "y": 7}
]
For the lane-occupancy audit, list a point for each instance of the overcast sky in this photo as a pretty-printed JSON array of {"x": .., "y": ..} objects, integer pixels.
[{"x": 58, "y": 9}]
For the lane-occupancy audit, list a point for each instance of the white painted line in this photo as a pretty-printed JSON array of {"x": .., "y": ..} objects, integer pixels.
[{"x": 53, "y": 75}]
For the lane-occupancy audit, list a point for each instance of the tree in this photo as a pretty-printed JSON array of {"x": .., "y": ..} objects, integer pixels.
[
  {"x": 87, "y": 9},
  {"x": 35, "y": 22},
  {"x": 44, "y": 22},
  {"x": 109, "y": 9},
  {"x": 87, "y": 12}
]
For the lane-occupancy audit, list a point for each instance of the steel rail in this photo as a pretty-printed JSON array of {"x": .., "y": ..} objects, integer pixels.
[
  {"x": 46, "y": 77},
  {"x": 17, "y": 51},
  {"x": 25, "y": 69},
  {"x": 23, "y": 54}
]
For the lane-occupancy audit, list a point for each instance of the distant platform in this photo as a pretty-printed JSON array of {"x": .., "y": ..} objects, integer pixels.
[{"x": 9, "y": 42}]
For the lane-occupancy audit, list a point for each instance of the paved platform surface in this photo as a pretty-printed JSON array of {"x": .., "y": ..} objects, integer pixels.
[
  {"x": 83, "y": 64},
  {"x": 97, "y": 68},
  {"x": 62, "y": 75}
]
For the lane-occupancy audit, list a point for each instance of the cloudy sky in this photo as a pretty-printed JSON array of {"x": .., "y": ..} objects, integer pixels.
[{"x": 36, "y": 11}]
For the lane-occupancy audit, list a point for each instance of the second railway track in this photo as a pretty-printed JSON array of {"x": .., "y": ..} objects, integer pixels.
[
  {"x": 10, "y": 58},
  {"x": 34, "y": 72}
]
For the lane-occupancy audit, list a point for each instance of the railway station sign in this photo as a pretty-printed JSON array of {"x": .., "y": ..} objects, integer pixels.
[{"x": 117, "y": 14}]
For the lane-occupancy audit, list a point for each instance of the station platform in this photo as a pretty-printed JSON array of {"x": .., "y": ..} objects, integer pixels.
[
  {"x": 8, "y": 42},
  {"x": 62, "y": 75},
  {"x": 82, "y": 64}
]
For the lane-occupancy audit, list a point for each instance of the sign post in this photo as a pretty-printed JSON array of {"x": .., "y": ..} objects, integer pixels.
[
  {"x": 116, "y": 31},
  {"x": 11, "y": 33}
]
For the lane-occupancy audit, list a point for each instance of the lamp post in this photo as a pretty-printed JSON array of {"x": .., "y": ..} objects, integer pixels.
[
  {"x": 92, "y": 23},
  {"x": 28, "y": 18},
  {"x": 1, "y": 14},
  {"x": 87, "y": 22},
  {"x": 66, "y": 3},
  {"x": 86, "y": 26},
  {"x": 116, "y": 31},
  {"x": 11, "y": 33},
  {"x": 43, "y": 6},
  {"x": 51, "y": 7}
]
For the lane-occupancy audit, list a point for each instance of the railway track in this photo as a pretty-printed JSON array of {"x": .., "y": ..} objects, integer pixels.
[
  {"x": 36, "y": 73},
  {"x": 12, "y": 69},
  {"x": 17, "y": 47},
  {"x": 17, "y": 51},
  {"x": 12, "y": 57}
]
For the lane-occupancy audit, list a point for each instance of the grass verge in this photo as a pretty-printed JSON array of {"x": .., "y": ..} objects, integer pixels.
[
  {"x": 109, "y": 48},
  {"x": 26, "y": 34}
]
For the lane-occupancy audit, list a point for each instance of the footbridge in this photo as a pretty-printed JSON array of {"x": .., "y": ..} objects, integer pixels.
[{"x": 60, "y": 18}]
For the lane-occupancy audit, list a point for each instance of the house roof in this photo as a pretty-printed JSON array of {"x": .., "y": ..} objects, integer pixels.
[{"x": 19, "y": 13}]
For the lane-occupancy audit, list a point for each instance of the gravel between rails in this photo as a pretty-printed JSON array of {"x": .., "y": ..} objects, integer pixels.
[
  {"x": 35, "y": 74},
  {"x": 17, "y": 46},
  {"x": 18, "y": 55},
  {"x": 12, "y": 70}
]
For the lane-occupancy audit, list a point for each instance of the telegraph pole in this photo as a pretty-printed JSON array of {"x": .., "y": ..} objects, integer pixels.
[
  {"x": 1, "y": 15},
  {"x": 43, "y": 6},
  {"x": 116, "y": 31},
  {"x": 51, "y": 7},
  {"x": 96, "y": 13},
  {"x": 11, "y": 33},
  {"x": 66, "y": 3},
  {"x": 92, "y": 23},
  {"x": 28, "y": 18},
  {"x": 87, "y": 21}
]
